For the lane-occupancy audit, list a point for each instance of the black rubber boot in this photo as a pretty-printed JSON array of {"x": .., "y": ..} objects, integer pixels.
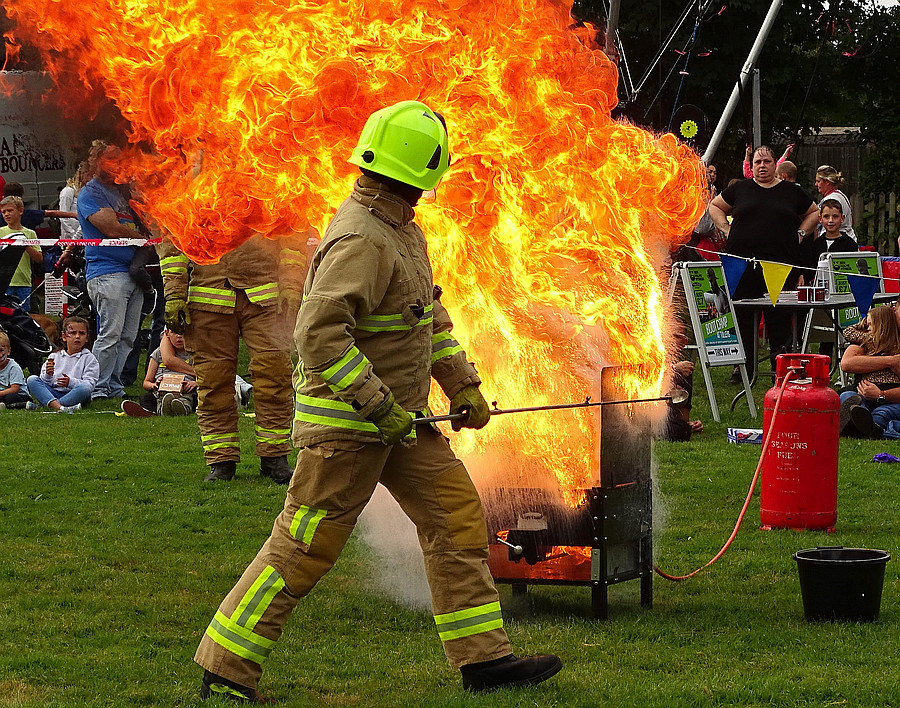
[
  {"x": 215, "y": 686},
  {"x": 861, "y": 418},
  {"x": 276, "y": 468},
  {"x": 221, "y": 471},
  {"x": 509, "y": 672},
  {"x": 845, "y": 427}
]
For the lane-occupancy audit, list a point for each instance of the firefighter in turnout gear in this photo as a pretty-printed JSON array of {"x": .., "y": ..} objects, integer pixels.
[
  {"x": 370, "y": 335},
  {"x": 252, "y": 292}
]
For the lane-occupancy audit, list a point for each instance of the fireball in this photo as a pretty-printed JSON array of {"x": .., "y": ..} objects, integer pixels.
[{"x": 546, "y": 234}]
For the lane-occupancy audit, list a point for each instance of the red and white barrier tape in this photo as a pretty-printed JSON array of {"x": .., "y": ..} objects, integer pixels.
[{"x": 79, "y": 242}]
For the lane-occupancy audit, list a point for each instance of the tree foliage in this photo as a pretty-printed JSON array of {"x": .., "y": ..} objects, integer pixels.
[
  {"x": 820, "y": 66},
  {"x": 874, "y": 73}
]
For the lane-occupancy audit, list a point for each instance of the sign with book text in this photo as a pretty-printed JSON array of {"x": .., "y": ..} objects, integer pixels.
[
  {"x": 716, "y": 336},
  {"x": 838, "y": 266},
  {"x": 709, "y": 296}
]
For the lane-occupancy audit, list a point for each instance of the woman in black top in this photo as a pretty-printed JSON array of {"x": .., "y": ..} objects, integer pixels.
[{"x": 771, "y": 218}]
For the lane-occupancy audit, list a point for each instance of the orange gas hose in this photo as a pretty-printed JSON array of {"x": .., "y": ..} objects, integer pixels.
[{"x": 792, "y": 371}]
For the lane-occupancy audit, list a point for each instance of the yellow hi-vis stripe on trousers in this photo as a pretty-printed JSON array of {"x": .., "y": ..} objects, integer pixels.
[
  {"x": 465, "y": 623},
  {"x": 217, "y": 441},
  {"x": 235, "y": 633},
  {"x": 273, "y": 436},
  {"x": 305, "y": 523},
  {"x": 258, "y": 598},
  {"x": 237, "y": 640}
]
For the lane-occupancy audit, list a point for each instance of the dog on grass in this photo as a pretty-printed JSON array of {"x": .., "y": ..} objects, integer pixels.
[{"x": 50, "y": 327}]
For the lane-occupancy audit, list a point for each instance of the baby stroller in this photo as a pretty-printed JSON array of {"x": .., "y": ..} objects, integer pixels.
[
  {"x": 28, "y": 342},
  {"x": 75, "y": 293}
]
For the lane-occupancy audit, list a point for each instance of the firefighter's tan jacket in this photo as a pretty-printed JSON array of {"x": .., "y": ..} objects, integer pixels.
[
  {"x": 261, "y": 267},
  {"x": 369, "y": 324}
]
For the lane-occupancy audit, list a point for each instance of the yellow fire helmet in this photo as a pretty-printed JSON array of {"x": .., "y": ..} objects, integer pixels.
[{"x": 406, "y": 142}]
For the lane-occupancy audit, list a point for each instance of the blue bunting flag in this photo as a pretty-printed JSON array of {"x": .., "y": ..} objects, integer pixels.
[
  {"x": 863, "y": 288},
  {"x": 734, "y": 270}
]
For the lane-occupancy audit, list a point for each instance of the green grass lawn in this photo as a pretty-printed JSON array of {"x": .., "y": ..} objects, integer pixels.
[{"x": 115, "y": 556}]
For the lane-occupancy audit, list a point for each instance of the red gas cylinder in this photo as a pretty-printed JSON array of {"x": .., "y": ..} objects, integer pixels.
[{"x": 799, "y": 469}]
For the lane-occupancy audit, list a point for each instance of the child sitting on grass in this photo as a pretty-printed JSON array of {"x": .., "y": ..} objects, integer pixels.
[
  {"x": 69, "y": 375},
  {"x": 170, "y": 403},
  {"x": 12, "y": 380}
]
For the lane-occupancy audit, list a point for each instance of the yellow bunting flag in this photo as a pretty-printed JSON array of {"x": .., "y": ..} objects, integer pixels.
[{"x": 775, "y": 275}]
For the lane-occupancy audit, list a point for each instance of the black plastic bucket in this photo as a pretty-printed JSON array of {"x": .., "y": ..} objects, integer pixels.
[{"x": 841, "y": 584}]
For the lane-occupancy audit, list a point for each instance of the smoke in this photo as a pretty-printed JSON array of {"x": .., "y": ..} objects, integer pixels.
[
  {"x": 660, "y": 507},
  {"x": 398, "y": 571}
]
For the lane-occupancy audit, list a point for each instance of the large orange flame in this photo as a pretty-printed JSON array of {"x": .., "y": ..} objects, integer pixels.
[{"x": 546, "y": 233}]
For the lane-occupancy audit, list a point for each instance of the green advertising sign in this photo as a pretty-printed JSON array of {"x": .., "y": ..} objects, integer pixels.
[
  {"x": 847, "y": 316},
  {"x": 862, "y": 263},
  {"x": 709, "y": 299},
  {"x": 839, "y": 265}
]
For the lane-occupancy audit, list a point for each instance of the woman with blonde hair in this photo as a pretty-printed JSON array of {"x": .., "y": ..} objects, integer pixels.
[
  {"x": 70, "y": 228},
  {"x": 875, "y": 402},
  {"x": 829, "y": 182}
]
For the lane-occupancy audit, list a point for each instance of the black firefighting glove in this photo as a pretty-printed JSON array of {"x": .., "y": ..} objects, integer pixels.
[
  {"x": 392, "y": 421},
  {"x": 469, "y": 400}
]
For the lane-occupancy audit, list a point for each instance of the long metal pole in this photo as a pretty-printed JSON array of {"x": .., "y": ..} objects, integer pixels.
[
  {"x": 757, "y": 110},
  {"x": 663, "y": 49},
  {"x": 612, "y": 24},
  {"x": 741, "y": 83},
  {"x": 559, "y": 406}
]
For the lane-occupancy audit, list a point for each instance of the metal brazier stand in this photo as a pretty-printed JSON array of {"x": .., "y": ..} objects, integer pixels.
[{"x": 605, "y": 539}]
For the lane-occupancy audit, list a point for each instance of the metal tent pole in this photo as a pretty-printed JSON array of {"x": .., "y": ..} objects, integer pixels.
[
  {"x": 741, "y": 83},
  {"x": 757, "y": 110},
  {"x": 612, "y": 25}
]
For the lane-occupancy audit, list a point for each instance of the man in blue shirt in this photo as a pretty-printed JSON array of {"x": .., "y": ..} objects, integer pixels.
[{"x": 103, "y": 212}]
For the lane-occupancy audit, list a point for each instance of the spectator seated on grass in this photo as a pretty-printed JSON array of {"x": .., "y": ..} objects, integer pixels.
[
  {"x": 13, "y": 393},
  {"x": 170, "y": 403},
  {"x": 678, "y": 425},
  {"x": 69, "y": 375},
  {"x": 873, "y": 407}
]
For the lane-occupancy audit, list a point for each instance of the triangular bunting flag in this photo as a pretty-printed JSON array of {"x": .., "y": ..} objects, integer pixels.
[
  {"x": 734, "y": 270},
  {"x": 863, "y": 288},
  {"x": 775, "y": 275}
]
